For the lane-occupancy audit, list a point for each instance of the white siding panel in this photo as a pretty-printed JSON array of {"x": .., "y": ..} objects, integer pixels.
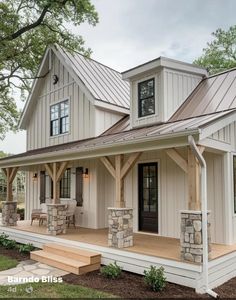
[
  {"x": 178, "y": 85},
  {"x": 105, "y": 119},
  {"x": 82, "y": 113}
]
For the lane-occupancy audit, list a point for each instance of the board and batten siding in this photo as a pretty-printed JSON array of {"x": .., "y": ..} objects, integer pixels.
[
  {"x": 172, "y": 87},
  {"x": 177, "y": 87},
  {"x": 85, "y": 119},
  {"x": 173, "y": 193}
]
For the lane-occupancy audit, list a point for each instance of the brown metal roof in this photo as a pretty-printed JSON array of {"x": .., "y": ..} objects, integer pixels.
[
  {"x": 153, "y": 132},
  {"x": 213, "y": 94}
]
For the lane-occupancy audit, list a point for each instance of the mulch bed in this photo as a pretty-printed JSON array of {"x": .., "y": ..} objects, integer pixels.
[
  {"x": 130, "y": 285},
  {"x": 14, "y": 253}
]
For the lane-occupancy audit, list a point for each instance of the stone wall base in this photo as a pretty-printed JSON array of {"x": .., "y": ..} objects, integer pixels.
[
  {"x": 191, "y": 236},
  {"x": 56, "y": 219},
  {"x": 9, "y": 213},
  {"x": 120, "y": 227}
]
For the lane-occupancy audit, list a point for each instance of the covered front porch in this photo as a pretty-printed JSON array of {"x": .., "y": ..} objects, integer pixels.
[
  {"x": 147, "y": 250},
  {"x": 112, "y": 198},
  {"x": 147, "y": 244}
]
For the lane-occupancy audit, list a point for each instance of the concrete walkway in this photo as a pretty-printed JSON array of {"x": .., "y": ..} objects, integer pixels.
[{"x": 29, "y": 269}]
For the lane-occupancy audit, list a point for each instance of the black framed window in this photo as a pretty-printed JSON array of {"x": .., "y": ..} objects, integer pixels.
[
  {"x": 65, "y": 184},
  {"x": 234, "y": 181},
  {"x": 146, "y": 98},
  {"x": 59, "y": 118}
]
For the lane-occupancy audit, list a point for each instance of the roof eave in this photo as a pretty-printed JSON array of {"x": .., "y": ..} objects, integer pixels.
[
  {"x": 164, "y": 62},
  {"x": 162, "y": 141}
]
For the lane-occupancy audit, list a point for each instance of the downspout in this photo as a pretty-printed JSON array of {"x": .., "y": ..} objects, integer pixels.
[{"x": 203, "y": 181}]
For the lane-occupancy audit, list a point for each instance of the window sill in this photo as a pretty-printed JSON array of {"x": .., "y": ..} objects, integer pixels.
[{"x": 58, "y": 135}]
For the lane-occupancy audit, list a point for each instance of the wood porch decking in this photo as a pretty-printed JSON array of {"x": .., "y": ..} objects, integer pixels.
[{"x": 164, "y": 247}]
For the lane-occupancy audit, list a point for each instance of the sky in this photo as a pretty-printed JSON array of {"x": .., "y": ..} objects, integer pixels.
[{"x": 131, "y": 32}]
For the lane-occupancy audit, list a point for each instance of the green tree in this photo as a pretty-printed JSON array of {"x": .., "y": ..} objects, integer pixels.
[
  {"x": 27, "y": 27},
  {"x": 220, "y": 54}
]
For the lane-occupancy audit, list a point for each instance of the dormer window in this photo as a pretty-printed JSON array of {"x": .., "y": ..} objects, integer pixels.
[
  {"x": 146, "y": 98},
  {"x": 59, "y": 118}
]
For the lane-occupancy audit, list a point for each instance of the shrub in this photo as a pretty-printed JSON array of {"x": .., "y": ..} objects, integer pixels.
[
  {"x": 9, "y": 244},
  {"x": 26, "y": 248},
  {"x": 111, "y": 271},
  {"x": 3, "y": 238},
  {"x": 155, "y": 278}
]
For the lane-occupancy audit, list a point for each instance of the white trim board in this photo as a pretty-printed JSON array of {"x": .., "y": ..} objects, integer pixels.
[{"x": 220, "y": 269}]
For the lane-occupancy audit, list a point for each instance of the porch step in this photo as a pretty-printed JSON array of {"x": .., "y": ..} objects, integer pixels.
[
  {"x": 67, "y": 259},
  {"x": 73, "y": 253}
]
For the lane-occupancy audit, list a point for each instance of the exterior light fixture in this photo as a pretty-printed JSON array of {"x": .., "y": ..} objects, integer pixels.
[
  {"x": 35, "y": 177},
  {"x": 85, "y": 173},
  {"x": 55, "y": 79}
]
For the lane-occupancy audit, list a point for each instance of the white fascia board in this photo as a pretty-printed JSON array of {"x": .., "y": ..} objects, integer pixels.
[
  {"x": 164, "y": 62},
  {"x": 177, "y": 139},
  {"x": 23, "y": 119},
  {"x": 216, "y": 125},
  {"x": 183, "y": 66},
  {"x": 141, "y": 69},
  {"x": 215, "y": 145},
  {"x": 111, "y": 107}
]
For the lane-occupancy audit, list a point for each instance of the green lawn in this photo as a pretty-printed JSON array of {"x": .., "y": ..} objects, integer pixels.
[
  {"x": 50, "y": 290},
  {"x": 7, "y": 263}
]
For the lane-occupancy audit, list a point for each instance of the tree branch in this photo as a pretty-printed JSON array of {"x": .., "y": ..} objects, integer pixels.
[{"x": 28, "y": 27}]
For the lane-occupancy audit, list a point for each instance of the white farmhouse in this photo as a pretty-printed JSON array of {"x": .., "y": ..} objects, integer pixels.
[{"x": 128, "y": 152}]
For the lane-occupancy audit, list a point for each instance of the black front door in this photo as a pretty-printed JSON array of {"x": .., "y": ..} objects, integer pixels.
[{"x": 148, "y": 197}]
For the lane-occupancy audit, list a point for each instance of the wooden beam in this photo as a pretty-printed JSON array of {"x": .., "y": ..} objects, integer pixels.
[
  {"x": 55, "y": 187},
  {"x": 178, "y": 159},
  {"x": 130, "y": 163},
  {"x": 107, "y": 163},
  {"x": 119, "y": 182},
  {"x": 9, "y": 185},
  {"x": 13, "y": 174},
  {"x": 193, "y": 182},
  {"x": 61, "y": 171},
  {"x": 49, "y": 170}
]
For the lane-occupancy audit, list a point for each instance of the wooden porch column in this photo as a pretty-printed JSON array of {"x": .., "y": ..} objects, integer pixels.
[
  {"x": 10, "y": 174},
  {"x": 119, "y": 172},
  {"x": 192, "y": 169},
  {"x": 56, "y": 171},
  {"x": 194, "y": 181}
]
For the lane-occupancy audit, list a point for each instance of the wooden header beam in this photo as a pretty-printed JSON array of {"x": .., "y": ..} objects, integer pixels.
[
  {"x": 56, "y": 171},
  {"x": 119, "y": 172}
]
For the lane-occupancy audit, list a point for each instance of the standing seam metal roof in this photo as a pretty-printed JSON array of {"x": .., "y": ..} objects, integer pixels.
[
  {"x": 213, "y": 94},
  {"x": 104, "y": 83}
]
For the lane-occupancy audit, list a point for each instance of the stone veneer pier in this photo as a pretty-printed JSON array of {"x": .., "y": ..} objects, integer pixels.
[
  {"x": 56, "y": 219},
  {"x": 191, "y": 236},
  {"x": 120, "y": 227}
]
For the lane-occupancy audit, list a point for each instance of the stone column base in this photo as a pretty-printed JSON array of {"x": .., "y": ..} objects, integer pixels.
[
  {"x": 56, "y": 219},
  {"x": 191, "y": 236},
  {"x": 9, "y": 213},
  {"x": 120, "y": 227}
]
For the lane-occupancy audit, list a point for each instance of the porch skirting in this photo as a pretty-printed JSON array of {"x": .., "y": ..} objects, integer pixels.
[
  {"x": 120, "y": 227},
  {"x": 56, "y": 219},
  {"x": 9, "y": 213},
  {"x": 191, "y": 236}
]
